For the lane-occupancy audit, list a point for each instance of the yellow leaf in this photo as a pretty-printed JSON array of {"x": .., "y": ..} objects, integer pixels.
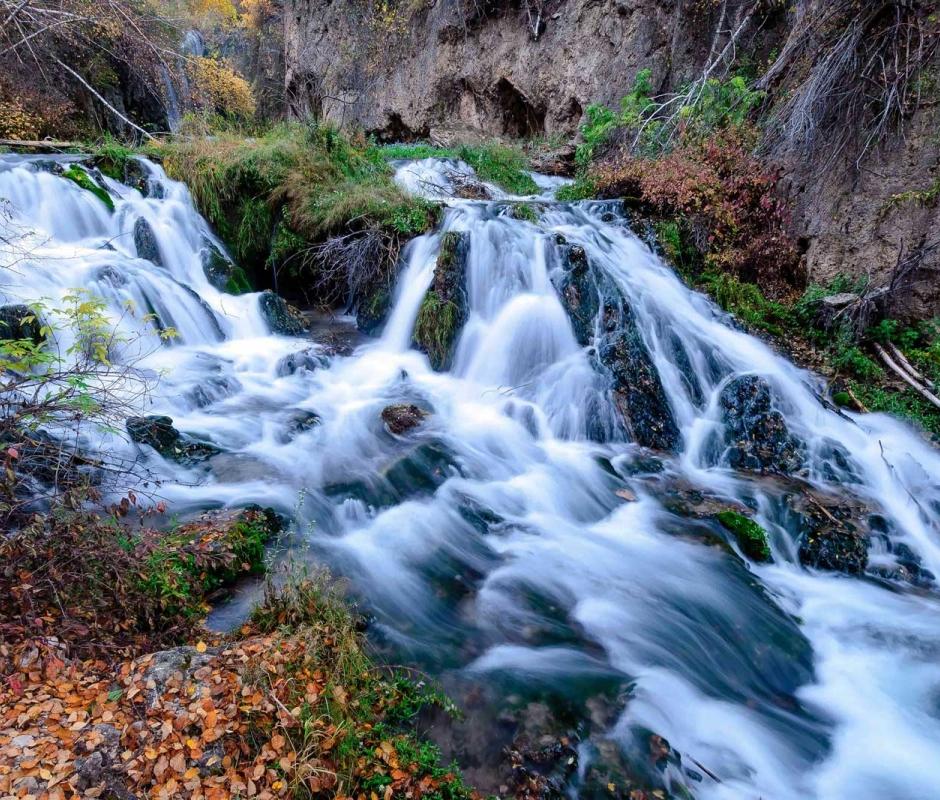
[{"x": 201, "y": 647}]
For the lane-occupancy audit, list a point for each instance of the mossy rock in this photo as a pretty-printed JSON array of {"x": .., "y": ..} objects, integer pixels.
[
  {"x": 80, "y": 177},
  {"x": 751, "y": 537},
  {"x": 373, "y": 309},
  {"x": 222, "y": 272},
  {"x": 281, "y": 317},
  {"x": 444, "y": 308}
]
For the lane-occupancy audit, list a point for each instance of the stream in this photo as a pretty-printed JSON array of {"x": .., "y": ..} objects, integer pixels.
[{"x": 519, "y": 544}]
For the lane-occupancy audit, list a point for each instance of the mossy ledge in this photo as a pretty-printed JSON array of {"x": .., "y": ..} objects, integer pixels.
[
  {"x": 443, "y": 309},
  {"x": 81, "y": 178}
]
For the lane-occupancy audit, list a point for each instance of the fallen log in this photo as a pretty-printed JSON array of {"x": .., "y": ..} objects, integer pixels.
[
  {"x": 904, "y": 376},
  {"x": 44, "y": 145}
]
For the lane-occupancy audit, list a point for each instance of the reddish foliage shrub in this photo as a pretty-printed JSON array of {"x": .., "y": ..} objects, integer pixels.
[{"x": 724, "y": 194}]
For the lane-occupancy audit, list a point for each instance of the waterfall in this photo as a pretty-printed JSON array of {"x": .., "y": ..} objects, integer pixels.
[{"x": 521, "y": 538}]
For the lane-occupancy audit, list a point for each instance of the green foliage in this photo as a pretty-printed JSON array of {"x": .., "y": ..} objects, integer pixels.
[
  {"x": 111, "y": 157},
  {"x": 277, "y": 194},
  {"x": 747, "y": 302},
  {"x": 373, "y": 711},
  {"x": 751, "y": 537},
  {"x": 583, "y": 188},
  {"x": 923, "y": 197},
  {"x": 717, "y": 105},
  {"x": 78, "y": 176},
  {"x": 677, "y": 248},
  {"x": 500, "y": 164}
]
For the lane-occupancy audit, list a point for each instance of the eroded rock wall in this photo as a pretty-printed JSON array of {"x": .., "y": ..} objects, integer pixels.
[{"x": 452, "y": 69}]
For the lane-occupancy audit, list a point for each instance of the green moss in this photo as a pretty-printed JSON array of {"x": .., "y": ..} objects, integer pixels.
[
  {"x": 440, "y": 314},
  {"x": 843, "y": 399},
  {"x": 77, "y": 175},
  {"x": 751, "y": 537},
  {"x": 238, "y": 283},
  {"x": 436, "y": 328}
]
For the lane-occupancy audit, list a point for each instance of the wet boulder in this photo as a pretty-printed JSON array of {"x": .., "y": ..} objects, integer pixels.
[
  {"x": 221, "y": 271},
  {"x": 403, "y": 417},
  {"x": 19, "y": 321},
  {"x": 579, "y": 294},
  {"x": 638, "y": 391},
  {"x": 601, "y": 317},
  {"x": 421, "y": 470},
  {"x": 308, "y": 359},
  {"x": 112, "y": 276},
  {"x": 137, "y": 177},
  {"x": 756, "y": 433},
  {"x": 282, "y": 318},
  {"x": 300, "y": 422},
  {"x": 158, "y": 432},
  {"x": 834, "y": 531},
  {"x": 444, "y": 308},
  {"x": 145, "y": 241}
]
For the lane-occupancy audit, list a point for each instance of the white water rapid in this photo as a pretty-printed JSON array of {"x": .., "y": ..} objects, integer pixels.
[{"x": 491, "y": 543}]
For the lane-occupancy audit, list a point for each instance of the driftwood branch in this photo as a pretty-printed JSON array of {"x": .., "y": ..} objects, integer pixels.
[
  {"x": 896, "y": 368},
  {"x": 101, "y": 99}
]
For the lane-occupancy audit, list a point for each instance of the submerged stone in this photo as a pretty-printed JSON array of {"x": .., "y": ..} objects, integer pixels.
[
  {"x": 422, "y": 470},
  {"x": 403, "y": 417},
  {"x": 282, "y": 318},
  {"x": 756, "y": 433},
  {"x": 444, "y": 308},
  {"x": 308, "y": 359},
  {"x": 145, "y": 240}
]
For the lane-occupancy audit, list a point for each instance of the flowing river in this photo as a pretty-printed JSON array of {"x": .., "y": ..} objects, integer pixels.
[{"x": 517, "y": 544}]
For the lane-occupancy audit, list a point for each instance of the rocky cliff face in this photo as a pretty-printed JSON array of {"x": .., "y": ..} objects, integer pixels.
[{"x": 405, "y": 69}]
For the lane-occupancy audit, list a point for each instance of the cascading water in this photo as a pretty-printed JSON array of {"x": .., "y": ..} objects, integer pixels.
[{"x": 519, "y": 540}]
